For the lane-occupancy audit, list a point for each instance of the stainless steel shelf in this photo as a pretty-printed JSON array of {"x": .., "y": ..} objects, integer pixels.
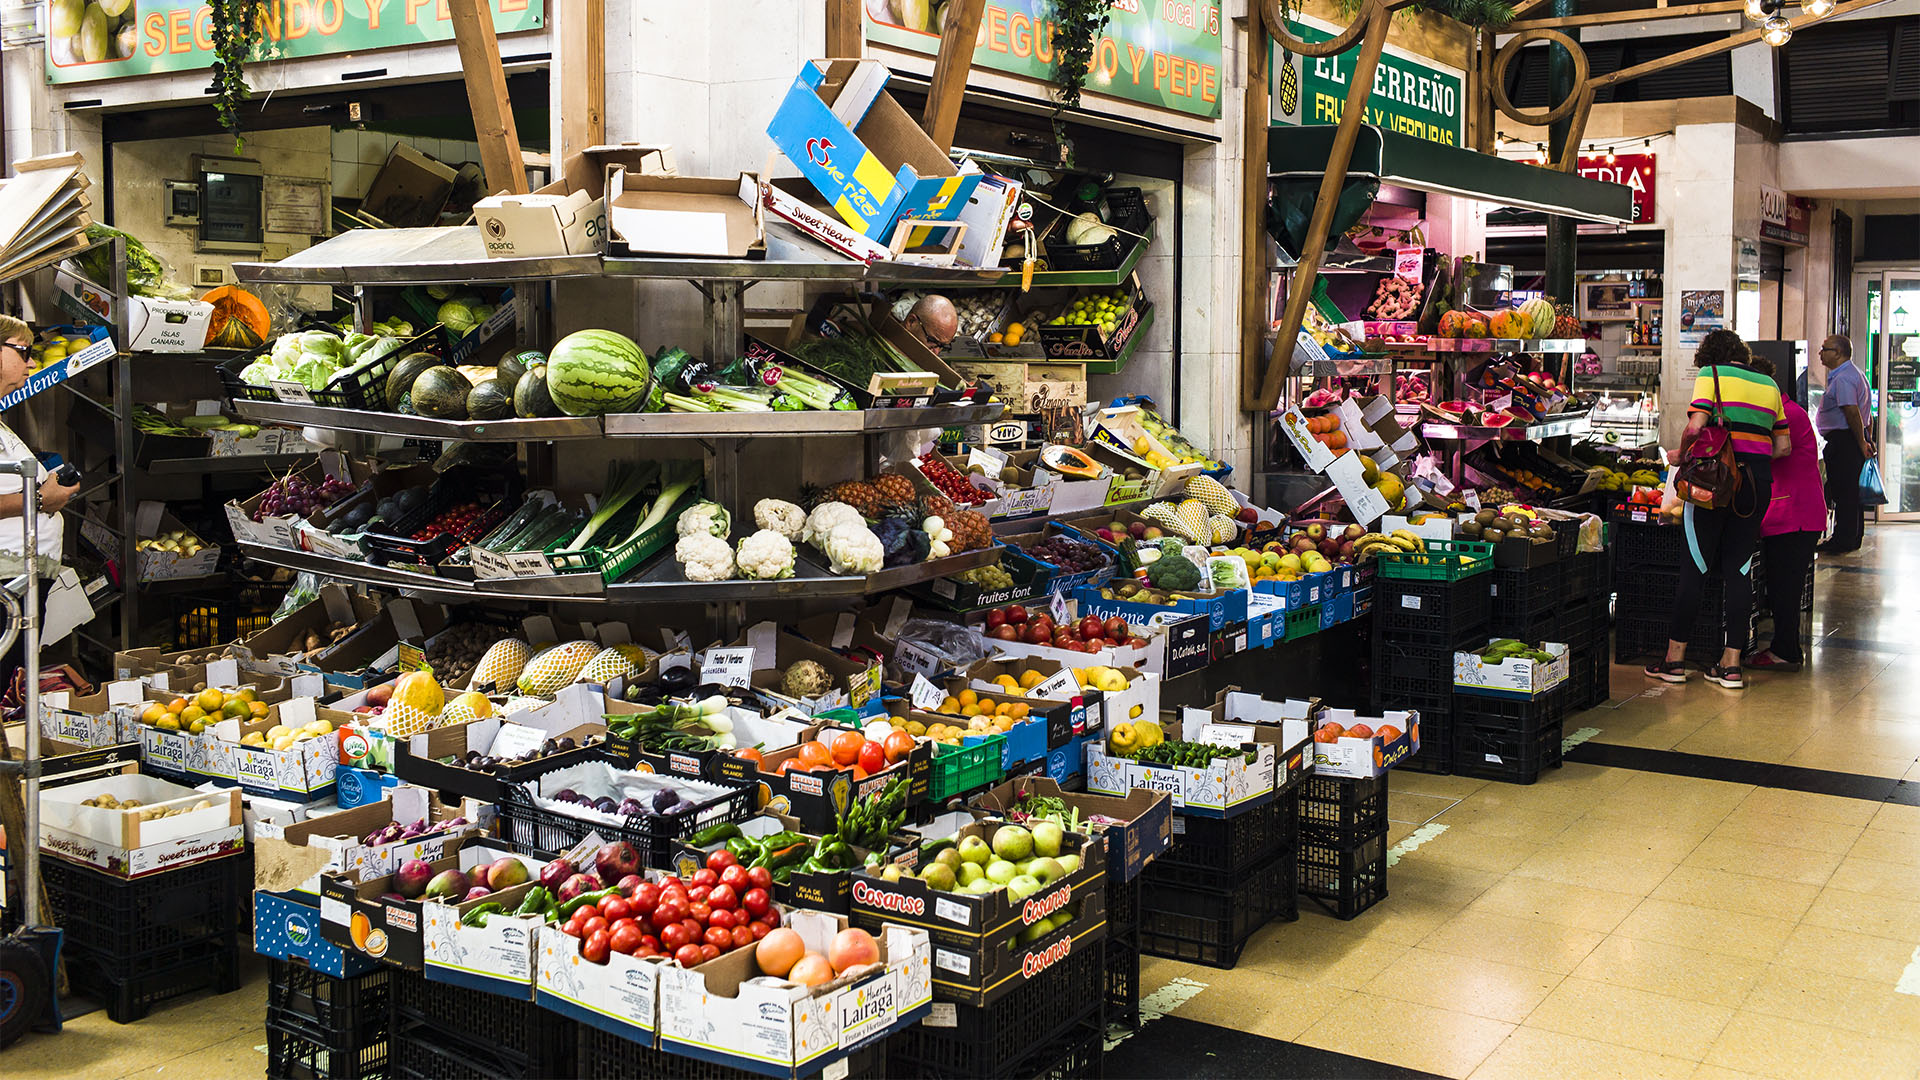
[
  {"x": 422, "y": 427},
  {"x": 1560, "y": 425},
  {"x": 239, "y": 463},
  {"x": 622, "y": 425}
]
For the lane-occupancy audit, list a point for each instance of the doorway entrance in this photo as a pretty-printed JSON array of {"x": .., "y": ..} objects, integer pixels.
[{"x": 1890, "y": 349}]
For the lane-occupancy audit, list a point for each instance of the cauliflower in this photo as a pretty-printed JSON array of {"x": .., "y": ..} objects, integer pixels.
[
  {"x": 765, "y": 556},
  {"x": 825, "y": 518},
  {"x": 782, "y": 517},
  {"x": 806, "y": 679},
  {"x": 704, "y": 557},
  {"x": 704, "y": 517},
  {"x": 853, "y": 549}
]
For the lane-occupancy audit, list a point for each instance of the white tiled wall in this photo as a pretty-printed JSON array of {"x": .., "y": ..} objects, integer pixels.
[{"x": 358, "y": 155}]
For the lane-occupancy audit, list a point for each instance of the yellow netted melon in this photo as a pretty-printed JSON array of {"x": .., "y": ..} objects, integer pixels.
[{"x": 546, "y": 673}]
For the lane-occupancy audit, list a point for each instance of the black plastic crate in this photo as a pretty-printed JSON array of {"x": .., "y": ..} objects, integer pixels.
[
  {"x": 1341, "y": 807},
  {"x": 526, "y": 1039},
  {"x": 294, "y": 1054},
  {"x": 1439, "y": 613},
  {"x": 1123, "y": 904},
  {"x": 1640, "y": 639},
  {"x": 1576, "y": 576},
  {"x": 1519, "y": 714},
  {"x": 1521, "y": 599},
  {"x": 124, "y": 921},
  {"x": 1181, "y": 921},
  {"x": 1638, "y": 544},
  {"x": 1123, "y": 977},
  {"x": 365, "y": 390},
  {"x": 128, "y": 990},
  {"x": 1126, "y": 211},
  {"x": 1495, "y": 752},
  {"x": 1034, "y": 1022},
  {"x": 1344, "y": 876},
  {"x": 1215, "y": 851},
  {"x": 1408, "y": 669},
  {"x": 532, "y": 829},
  {"x": 606, "y": 1056},
  {"x": 327, "y": 1009},
  {"x": 1077, "y": 1055},
  {"x": 1435, "y": 756}
]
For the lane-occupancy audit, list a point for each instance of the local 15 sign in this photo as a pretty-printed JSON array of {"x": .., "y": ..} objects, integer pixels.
[
  {"x": 1633, "y": 170},
  {"x": 110, "y": 39}
]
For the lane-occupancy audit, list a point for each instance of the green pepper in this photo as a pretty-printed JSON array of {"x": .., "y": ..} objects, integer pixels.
[
  {"x": 568, "y": 908},
  {"x": 713, "y": 834},
  {"x": 535, "y": 903},
  {"x": 477, "y": 917},
  {"x": 742, "y": 848},
  {"x": 787, "y": 857}
]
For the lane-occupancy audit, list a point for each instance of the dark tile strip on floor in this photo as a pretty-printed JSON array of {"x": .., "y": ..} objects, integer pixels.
[
  {"x": 1737, "y": 771},
  {"x": 1172, "y": 1046}
]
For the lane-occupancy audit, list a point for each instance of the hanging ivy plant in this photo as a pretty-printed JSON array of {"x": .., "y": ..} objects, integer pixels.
[
  {"x": 1077, "y": 25},
  {"x": 235, "y": 28}
]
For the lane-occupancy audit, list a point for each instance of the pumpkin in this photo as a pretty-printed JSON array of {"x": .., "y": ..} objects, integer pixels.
[
  {"x": 530, "y": 396},
  {"x": 1067, "y": 461},
  {"x": 1509, "y": 324},
  {"x": 400, "y": 379},
  {"x": 1455, "y": 323},
  {"x": 490, "y": 400},
  {"x": 441, "y": 393}
]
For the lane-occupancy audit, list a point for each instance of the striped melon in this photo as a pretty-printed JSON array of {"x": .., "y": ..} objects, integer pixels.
[
  {"x": 547, "y": 673},
  {"x": 501, "y": 665},
  {"x": 591, "y": 372},
  {"x": 606, "y": 667}
]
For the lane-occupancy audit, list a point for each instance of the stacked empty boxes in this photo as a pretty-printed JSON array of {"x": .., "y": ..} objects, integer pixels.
[
  {"x": 1417, "y": 625},
  {"x": 1342, "y": 857},
  {"x": 1648, "y": 558},
  {"x": 1221, "y": 880},
  {"x": 1588, "y": 589}
]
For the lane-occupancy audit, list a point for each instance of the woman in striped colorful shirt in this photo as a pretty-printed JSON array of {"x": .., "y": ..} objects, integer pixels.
[{"x": 1722, "y": 541}]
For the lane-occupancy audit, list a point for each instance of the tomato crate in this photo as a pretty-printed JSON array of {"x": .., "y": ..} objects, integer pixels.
[
  {"x": 1180, "y": 921},
  {"x": 1442, "y": 560},
  {"x": 1522, "y": 598},
  {"x": 532, "y": 829},
  {"x": 1504, "y": 753},
  {"x": 125, "y": 922},
  {"x": 295, "y": 1054},
  {"x": 1035, "y": 1021},
  {"x": 332, "y": 1011},
  {"x": 526, "y": 1039},
  {"x": 130, "y": 989},
  {"x": 1214, "y": 852},
  {"x": 1343, "y": 874},
  {"x": 1346, "y": 808},
  {"x": 960, "y": 769}
]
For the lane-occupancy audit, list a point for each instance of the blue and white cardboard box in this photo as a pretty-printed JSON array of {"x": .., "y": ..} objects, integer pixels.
[
  {"x": 286, "y": 926},
  {"x": 864, "y": 153}
]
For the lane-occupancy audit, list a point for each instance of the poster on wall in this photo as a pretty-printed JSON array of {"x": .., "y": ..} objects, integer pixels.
[
  {"x": 1163, "y": 53},
  {"x": 1701, "y": 310},
  {"x": 88, "y": 40},
  {"x": 1411, "y": 94},
  {"x": 1635, "y": 171}
]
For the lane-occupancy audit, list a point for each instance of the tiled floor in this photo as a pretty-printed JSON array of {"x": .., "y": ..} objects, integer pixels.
[
  {"x": 1607, "y": 922},
  {"x": 1604, "y": 922}
]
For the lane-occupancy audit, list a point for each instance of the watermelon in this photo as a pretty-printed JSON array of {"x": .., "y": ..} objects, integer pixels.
[
  {"x": 530, "y": 397},
  {"x": 400, "y": 379},
  {"x": 441, "y": 392},
  {"x": 512, "y": 367},
  {"x": 490, "y": 401},
  {"x": 590, "y": 372}
]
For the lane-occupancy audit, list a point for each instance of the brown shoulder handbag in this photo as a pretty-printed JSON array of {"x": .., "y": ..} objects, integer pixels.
[{"x": 1708, "y": 476}]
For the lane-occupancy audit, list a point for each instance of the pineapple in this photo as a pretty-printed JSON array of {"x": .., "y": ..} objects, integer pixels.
[
  {"x": 501, "y": 665},
  {"x": 547, "y": 673},
  {"x": 895, "y": 492},
  {"x": 971, "y": 530},
  {"x": 1214, "y": 494},
  {"x": 858, "y": 494},
  {"x": 606, "y": 667}
]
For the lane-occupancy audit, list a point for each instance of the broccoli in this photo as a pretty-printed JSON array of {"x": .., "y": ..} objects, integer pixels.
[{"x": 1173, "y": 570}]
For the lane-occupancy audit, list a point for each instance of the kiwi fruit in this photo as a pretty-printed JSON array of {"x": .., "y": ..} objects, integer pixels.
[
  {"x": 1485, "y": 517},
  {"x": 1471, "y": 529},
  {"x": 1492, "y": 535},
  {"x": 1503, "y": 523}
]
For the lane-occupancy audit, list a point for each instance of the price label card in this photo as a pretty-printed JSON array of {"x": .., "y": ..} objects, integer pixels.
[
  {"x": 515, "y": 739},
  {"x": 413, "y": 658},
  {"x": 991, "y": 460},
  {"x": 291, "y": 392},
  {"x": 1226, "y": 734},
  {"x": 1061, "y": 686},
  {"x": 1408, "y": 262},
  {"x": 730, "y": 666},
  {"x": 529, "y": 564},
  {"x": 925, "y": 695},
  {"x": 489, "y": 564},
  {"x": 913, "y": 659},
  {"x": 1259, "y": 603},
  {"x": 1061, "y": 613}
]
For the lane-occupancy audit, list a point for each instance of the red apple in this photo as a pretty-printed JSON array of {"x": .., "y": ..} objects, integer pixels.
[
  {"x": 1005, "y": 632},
  {"x": 996, "y": 617},
  {"x": 1016, "y": 614},
  {"x": 1037, "y": 635},
  {"x": 1115, "y": 628},
  {"x": 1092, "y": 626}
]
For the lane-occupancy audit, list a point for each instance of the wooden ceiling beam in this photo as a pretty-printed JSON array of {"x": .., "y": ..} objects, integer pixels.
[
  {"x": 1714, "y": 48},
  {"x": 1616, "y": 18}
]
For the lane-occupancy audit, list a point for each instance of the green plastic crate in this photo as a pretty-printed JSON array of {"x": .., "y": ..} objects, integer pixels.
[
  {"x": 613, "y": 563},
  {"x": 1443, "y": 560},
  {"x": 958, "y": 769},
  {"x": 1302, "y": 621}
]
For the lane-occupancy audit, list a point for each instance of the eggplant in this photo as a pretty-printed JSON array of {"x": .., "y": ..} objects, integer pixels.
[
  {"x": 563, "y": 744},
  {"x": 565, "y": 794},
  {"x": 676, "y": 680},
  {"x": 630, "y": 806}
]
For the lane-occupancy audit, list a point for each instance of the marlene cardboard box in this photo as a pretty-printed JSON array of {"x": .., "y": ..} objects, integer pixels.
[
  {"x": 726, "y": 1011},
  {"x": 134, "y": 842}
]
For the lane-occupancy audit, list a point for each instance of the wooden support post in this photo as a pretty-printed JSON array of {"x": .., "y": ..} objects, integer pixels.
[
  {"x": 844, "y": 31},
  {"x": 1255, "y": 279},
  {"x": 581, "y": 26},
  {"x": 949, "y": 88},
  {"x": 1300, "y": 289},
  {"x": 487, "y": 94}
]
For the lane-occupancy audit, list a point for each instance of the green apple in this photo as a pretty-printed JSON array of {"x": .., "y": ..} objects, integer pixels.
[
  {"x": 891, "y": 872},
  {"x": 948, "y": 858},
  {"x": 1013, "y": 843},
  {"x": 971, "y": 872},
  {"x": 939, "y": 877},
  {"x": 1000, "y": 871},
  {"x": 975, "y": 850},
  {"x": 1047, "y": 871},
  {"x": 1023, "y": 886},
  {"x": 1047, "y": 838},
  {"x": 982, "y": 886},
  {"x": 1069, "y": 863},
  {"x": 1041, "y": 928}
]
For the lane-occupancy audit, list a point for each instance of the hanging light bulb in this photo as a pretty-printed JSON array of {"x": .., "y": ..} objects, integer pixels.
[
  {"x": 1756, "y": 10},
  {"x": 1778, "y": 31},
  {"x": 1610, "y": 158},
  {"x": 1817, "y": 8}
]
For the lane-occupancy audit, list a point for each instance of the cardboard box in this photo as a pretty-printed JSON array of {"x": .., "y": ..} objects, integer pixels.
[
  {"x": 855, "y": 685},
  {"x": 155, "y": 325},
  {"x": 567, "y": 216},
  {"x": 283, "y": 531},
  {"x": 371, "y": 654},
  {"x": 1293, "y": 719},
  {"x": 1361, "y": 759},
  {"x": 59, "y": 758},
  {"x": 1513, "y": 677},
  {"x": 119, "y": 842},
  {"x": 302, "y": 772},
  {"x": 150, "y": 519},
  {"x": 815, "y": 797},
  {"x": 863, "y": 152},
  {"x": 418, "y": 760},
  {"x": 685, "y": 215},
  {"x": 358, "y": 913},
  {"x": 1222, "y": 608},
  {"x": 770, "y": 733},
  {"x": 60, "y": 371},
  {"x": 1137, "y": 826},
  {"x": 91, "y": 719},
  {"x": 1228, "y": 786},
  {"x": 275, "y": 650},
  {"x": 293, "y": 856},
  {"x": 286, "y": 926},
  {"x": 909, "y": 243},
  {"x": 410, "y": 189}
]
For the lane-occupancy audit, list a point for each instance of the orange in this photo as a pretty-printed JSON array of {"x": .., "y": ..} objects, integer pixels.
[
  {"x": 210, "y": 700},
  {"x": 968, "y": 697},
  {"x": 176, "y": 705},
  {"x": 815, "y": 753},
  {"x": 846, "y": 747},
  {"x": 153, "y": 713}
]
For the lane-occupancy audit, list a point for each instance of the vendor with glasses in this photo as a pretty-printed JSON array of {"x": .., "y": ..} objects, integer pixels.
[
  {"x": 934, "y": 322},
  {"x": 16, "y": 358}
]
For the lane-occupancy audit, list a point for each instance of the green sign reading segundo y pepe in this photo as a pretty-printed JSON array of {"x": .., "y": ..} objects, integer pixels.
[
  {"x": 1163, "y": 53},
  {"x": 111, "y": 39},
  {"x": 1411, "y": 94}
]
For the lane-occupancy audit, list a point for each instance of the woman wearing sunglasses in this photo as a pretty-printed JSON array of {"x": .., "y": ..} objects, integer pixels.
[{"x": 16, "y": 343}]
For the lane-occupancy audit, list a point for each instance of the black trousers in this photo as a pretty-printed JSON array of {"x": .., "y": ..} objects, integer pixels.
[
  {"x": 1722, "y": 542},
  {"x": 1788, "y": 557},
  {"x": 1844, "y": 461}
]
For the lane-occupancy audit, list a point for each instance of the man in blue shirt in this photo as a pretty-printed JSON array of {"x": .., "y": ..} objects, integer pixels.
[{"x": 1842, "y": 421}]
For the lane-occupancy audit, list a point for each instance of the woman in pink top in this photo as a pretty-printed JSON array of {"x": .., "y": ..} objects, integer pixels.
[{"x": 1796, "y": 516}]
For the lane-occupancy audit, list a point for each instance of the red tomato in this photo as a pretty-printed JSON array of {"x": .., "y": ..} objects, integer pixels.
[
  {"x": 846, "y": 747},
  {"x": 615, "y": 908},
  {"x": 1037, "y": 634},
  {"x": 694, "y": 930},
  {"x": 618, "y": 923},
  {"x": 735, "y": 877},
  {"x": 719, "y": 937},
  {"x": 873, "y": 757},
  {"x": 700, "y": 911},
  {"x": 709, "y": 878},
  {"x": 571, "y": 927},
  {"x": 646, "y": 897},
  {"x": 721, "y": 859},
  {"x": 1006, "y": 632},
  {"x": 742, "y": 937},
  {"x": 674, "y": 936},
  {"x": 996, "y": 617},
  {"x": 759, "y": 929},
  {"x": 686, "y": 955},
  {"x": 1016, "y": 614},
  {"x": 750, "y": 753},
  {"x": 760, "y": 877},
  {"x": 723, "y": 898},
  {"x": 596, "y": 946},
  {"x": 756, "y": 902},
  {"x": 1092, "y": 626},
  {"x": 674, "y": 891},
  {"x": 709, "y": 952},
  {"x": 699, "y": 894},
  {"x": 898, "y": 746},
  {"x": 667, "y": 914},
  {"x": 1116, "y": 628},
  {"x": 722, "y": 918},
  {"x": 771, "y": 918},
  {"x": 626, "y": 939},
  {"x": 788, "y": 766},
  {"x": 648, "y": 941},
  {"x": 595, "y": 922}
]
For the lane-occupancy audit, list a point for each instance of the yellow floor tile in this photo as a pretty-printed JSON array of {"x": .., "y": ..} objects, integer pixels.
[
  {"x": 1655, "y": 841},
  {"x": 1864, "y": 913},
  {"x": 1509, "y": 822},
  {"x": 1792, "y": 1050},
  {"x": 1259, "y": 1002},
  {"x": 1450, "y": 787},
  {"x": 1816, "y": 997},
  {"x": 1476, "y": 850},
  {"x": 1747, "y": 738},
  {"x": 239, "y": 1056},
  {"x": 1765, "y": 860},
  {"x": 1650, "y": 732},
  {"x": 1557, "y": 902},
  {"x": 1897, "y": 817},
  {"x": 1807, "y": 805},
  {"x": 1532, "y": 1053},
  {"x": 1402, "y": 1033},
  {"x": 1744, "y": 893},
  {"x": 1887, "y": 845},
  {"x": 1808, "y": 834},
  {"x": 1417, "y": 809},
  {"x": 1574, "y": 864},
  {"x": 1671, "y": 970},
  {"x": 1311, "y": 950},
  {"x": 1716, "y": 1072},
  {"x": 1507, "y": 939},
  {"x": 1841, "y": 952},
  {"x": 1750, "y": 937},
  {"x": 1633, "y": 1018},
  {"x": 1462, "y": 984},
  {"x": 1840, "y": 755},
  {"x": 94, "y": 1046},
  {"x": 1856, "y": 874}
]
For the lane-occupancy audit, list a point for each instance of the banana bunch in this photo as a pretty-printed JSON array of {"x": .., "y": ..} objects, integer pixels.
[{"x": 1397, "y": 540}]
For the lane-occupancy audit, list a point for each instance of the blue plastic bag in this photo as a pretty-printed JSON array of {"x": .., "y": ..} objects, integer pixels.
[{"x": 1872, "y": 493}]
